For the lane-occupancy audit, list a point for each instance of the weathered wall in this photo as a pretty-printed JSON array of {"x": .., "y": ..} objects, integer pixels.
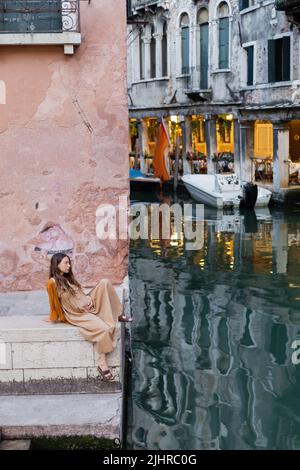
[
  {"x": 255, "y": 25},
  {"x": 64, "y": 151}
]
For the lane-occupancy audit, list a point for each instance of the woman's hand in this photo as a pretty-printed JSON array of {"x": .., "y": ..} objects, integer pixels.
[{"x": 90, "y": 304}]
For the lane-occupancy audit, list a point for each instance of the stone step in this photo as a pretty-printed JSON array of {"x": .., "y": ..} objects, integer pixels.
[
  {"x": 17, "y": 444},
  {"x": 26, "y": 417},
  {"x": 42, "y": 357},
  {"x": 39, "y": 357}
]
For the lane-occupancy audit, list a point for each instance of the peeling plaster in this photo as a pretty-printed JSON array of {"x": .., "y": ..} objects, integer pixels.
[{"x": 63, "y": 171}]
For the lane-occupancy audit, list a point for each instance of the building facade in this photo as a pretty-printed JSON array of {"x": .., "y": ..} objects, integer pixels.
[
  {"x": 63, "y": 138},
  {"x": 225, "y": 75}
]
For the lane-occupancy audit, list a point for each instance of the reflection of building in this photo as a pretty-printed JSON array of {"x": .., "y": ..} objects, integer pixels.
[
  {"x": 224, "y": 87},
  {"x": 212, "y": 355}
]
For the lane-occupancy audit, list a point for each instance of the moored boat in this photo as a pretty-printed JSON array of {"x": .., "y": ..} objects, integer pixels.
[
  {"x": 141, "y": 182},
  {"x": 226, "y": 190}
]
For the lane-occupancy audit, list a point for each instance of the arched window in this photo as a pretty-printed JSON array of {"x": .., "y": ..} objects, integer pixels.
[
  {"x": 185, "y": 43},
  {"x": 142, "y": 56},
  {"x": 202, "y": 20},
  {"x": 164, "y": 51},
  {"x": 223, "y": 15},
  {"x": 152, "y": 54}
]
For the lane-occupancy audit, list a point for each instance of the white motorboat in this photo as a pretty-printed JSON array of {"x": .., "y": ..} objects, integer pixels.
[{"x": 225, "y": 190}]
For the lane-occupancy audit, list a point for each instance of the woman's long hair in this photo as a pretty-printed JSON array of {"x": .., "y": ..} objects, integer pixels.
[{"x": 64, "y": 281}]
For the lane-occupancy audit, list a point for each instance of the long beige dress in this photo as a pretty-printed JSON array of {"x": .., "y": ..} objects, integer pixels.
[{"x": 98, "y": 323}]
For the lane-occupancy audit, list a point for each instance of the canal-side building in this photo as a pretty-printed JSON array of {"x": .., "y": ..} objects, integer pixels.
[{"x": 225, "y": 75}]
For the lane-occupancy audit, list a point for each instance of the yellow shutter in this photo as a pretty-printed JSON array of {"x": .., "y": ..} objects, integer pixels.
[{"x": 263, "y": 140}]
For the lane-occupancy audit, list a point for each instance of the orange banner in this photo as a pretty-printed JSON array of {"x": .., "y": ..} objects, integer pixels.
[{"x": 162, "y": 142}]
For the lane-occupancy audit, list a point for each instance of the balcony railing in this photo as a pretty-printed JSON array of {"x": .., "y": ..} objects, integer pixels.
[
  {"x": 139, "y": 4},
  {"x": 136, "y": 3},
  {"x": 38, "y": 22},
  {"x": 195, "y": 83},
  {"x": 284, "y": 5},
  {"x": 291, "y": 8},
  {"x": 39, "y": 16}
]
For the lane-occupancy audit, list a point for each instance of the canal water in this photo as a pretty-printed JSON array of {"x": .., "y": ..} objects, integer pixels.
[{"x": 213, "y": 364}]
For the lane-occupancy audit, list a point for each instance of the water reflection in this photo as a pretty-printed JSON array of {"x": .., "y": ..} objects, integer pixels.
[{"x": 212, "y": 336}]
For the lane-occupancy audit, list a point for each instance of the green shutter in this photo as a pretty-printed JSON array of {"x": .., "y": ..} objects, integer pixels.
[
  {"x": 223, "y": 43},
  {"x": 50, "y": 19},
  {"x": 12, "y": 21},
  {"x": 142, "y": 57},
  {"x": 185, "y": 49},
  {"x": 153, "y": 58},
  {"x": 244, "y": 4},
  {"x": 1, "y": 19},
  {"x": 286, "y": 60},
  {"x": 164, "y": 55},
  {"x": 271, "y": 60},
  {"x": 204, "y": 56},
  {"x": 250, "y": 65},
  {"x": 31, "y": 16}
]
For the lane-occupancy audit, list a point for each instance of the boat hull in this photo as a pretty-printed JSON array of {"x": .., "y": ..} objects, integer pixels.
[
  {"x": 200, "y": 191},
  {"x": 204, "y": 197},
  {"x": 144, "y": 184}
]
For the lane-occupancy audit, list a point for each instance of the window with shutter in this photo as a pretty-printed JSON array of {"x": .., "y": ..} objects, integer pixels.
[
  {"x": 223, "y": 43},
  {"x": 31, "y": 16},
  {"x": 152, "y": 55},
  {"x": 142, "y": 57},
  {"x": 164, "y": 55},
  {"x": 271, "y": 60},
  {"x": 204, "y": 56},
  {"x": 244, "y": 4},
  {"x": 185, "y": 49},
  {"x": 279, "y": 59},
  {"x": 250, "y": 64},
  {"x": 286, "y": 59}
]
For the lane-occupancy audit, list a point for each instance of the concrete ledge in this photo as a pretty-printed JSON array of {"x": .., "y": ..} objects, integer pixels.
[
  {"x": 40, "y": 357},
  {"x": 31, "y": 39},
  {"x": 35, "y": 302},
  {"x": 65, "y": 415},
  {"x": 43, "y": 357}
]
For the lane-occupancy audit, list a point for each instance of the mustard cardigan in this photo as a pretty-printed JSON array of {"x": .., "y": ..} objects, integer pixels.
[{"x": 56, "y": 313}]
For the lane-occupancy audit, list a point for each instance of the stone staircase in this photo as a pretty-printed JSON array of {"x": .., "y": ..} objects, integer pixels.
[{"x": 49, "y": 384}]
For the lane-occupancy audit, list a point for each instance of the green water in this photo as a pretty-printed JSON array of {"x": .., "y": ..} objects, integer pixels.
[{"x": 212, "y": 334}]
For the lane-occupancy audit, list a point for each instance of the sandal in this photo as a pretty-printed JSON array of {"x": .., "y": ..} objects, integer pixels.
[
  {"x": 106, "y": 375},
  {"x": 124, "y": 318}
]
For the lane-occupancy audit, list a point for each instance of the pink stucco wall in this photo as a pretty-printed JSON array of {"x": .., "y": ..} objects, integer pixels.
[{"x": 64, "y": 151}]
